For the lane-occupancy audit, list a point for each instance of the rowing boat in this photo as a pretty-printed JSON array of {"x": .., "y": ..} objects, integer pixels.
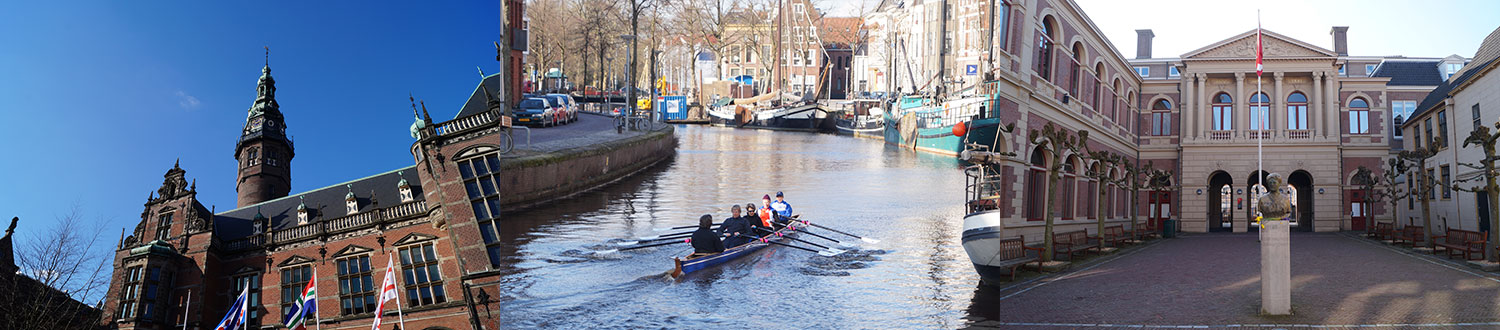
[{"x": 699, "y": 261}]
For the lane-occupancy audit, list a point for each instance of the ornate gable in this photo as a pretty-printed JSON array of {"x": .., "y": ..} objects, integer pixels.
[
  {"x": 414, "y": 238},
  {"x": 352, "y": 250},
  {"x": 295, "y": 260},
  {"x": 1243, "y": 46}
]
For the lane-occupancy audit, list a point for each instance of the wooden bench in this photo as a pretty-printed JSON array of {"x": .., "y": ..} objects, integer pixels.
[
  {"x": 1462, "y": 242},
  {"x": 1409, "y": 234},
  {"x": 1073, "y": 242},
  {"x": 1013, "y": 255},
  {"x": 1383, "y": 231},
  {"x": 1113, "y": 235},
  {"x": 1147, "y": 230}
]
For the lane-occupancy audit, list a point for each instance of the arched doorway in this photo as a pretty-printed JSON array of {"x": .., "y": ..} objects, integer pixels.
[
  {"x": 1220, "y": 202},
  {"x": 1253, "y": 191},
  {"x": 1301, "y": 185}
]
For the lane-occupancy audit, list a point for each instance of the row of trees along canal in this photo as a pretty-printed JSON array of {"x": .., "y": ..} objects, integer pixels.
[
  {"x": 1057, "y": 142},
  {"x": 1413, "y": 165}
]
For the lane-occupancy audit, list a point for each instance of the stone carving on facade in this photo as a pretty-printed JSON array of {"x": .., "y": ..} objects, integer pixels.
[
  {"x": 297, "y": 245},
  {"x": 438, "y": 218},
  {"x": 357, "y": 233},
  {"x": 1245, "y": 48}
]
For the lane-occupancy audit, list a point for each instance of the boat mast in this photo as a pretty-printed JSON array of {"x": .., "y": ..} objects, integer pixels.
[{"x": 777, "y": 72}]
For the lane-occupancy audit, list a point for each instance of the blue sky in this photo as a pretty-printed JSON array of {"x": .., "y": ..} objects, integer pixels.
[{"x": 101, "y": 98}]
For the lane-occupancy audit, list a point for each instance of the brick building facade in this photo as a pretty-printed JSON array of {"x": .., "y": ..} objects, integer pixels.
[{"x": 186, "y": 264}]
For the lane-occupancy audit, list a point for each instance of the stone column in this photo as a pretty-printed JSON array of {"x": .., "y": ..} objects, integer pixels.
[
  {"x": 1331, "y": 104},
  {"x": 1315, "y": 115},
  {"x": 1275, "y": 268},
  {"x": 1185, "y": 107},
  {"x": 1278, "y": 108},
  {"x": 1202, "y": 101},
  {"x": 1241, "y": 121}
]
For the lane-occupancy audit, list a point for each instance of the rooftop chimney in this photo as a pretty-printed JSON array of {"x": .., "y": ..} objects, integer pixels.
[
  {"x": 1340, "y": 40},
  {"x": 1143, "y": 43}
]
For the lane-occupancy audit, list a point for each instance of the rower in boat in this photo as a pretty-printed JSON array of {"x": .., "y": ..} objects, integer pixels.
[
  {"x": 753, "y": 221},
  {"x": 734, "y": 227},
  {"x": 766, "y": 214},
  {"x": 704, "y": 239},
  {"x": 783, "y": 210}
]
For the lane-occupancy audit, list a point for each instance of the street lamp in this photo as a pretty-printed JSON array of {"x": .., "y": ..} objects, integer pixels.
[{"x": 630, "y": 93}]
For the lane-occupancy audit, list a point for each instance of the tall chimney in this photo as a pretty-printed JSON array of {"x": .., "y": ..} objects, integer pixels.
[
  {"x": 1143, "y": 43},
  {"x": 1340, "y": 40}
]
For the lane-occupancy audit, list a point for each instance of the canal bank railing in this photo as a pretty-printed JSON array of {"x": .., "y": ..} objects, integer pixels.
[{"x": 322, "y": 229}]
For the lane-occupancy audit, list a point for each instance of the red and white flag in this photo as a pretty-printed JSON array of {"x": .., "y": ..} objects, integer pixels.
[
  {"x": 1258, "y": 66},
  {"x": 387, "y": 293}
]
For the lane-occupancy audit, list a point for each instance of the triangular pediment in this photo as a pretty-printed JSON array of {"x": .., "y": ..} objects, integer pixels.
[
  {"x": 246, "y": 269},
  {"x": 352, "y": 250},
  {"x": 414, "y": 238},
  {"x": 1243, "y": 46},
  {"x": 295, "y": 260}
]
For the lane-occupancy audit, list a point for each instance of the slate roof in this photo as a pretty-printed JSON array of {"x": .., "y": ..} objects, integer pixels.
[
  {"x": 477, "y": 102},
  {"x": 324, "y": 203},
  {"x": 1441, "y": 92},
  {"x": 1410, "y": 73}
]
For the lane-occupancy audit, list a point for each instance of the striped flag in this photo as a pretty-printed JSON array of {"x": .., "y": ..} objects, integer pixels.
[
  {"x": 235, "y": 320},
  {"x": 1258, "y": 54},
  {"x": 387, "y": 292},
  {"x": 306, "y": 305}
]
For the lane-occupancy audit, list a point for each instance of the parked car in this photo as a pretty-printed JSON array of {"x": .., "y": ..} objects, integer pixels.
[
  {"x": 536, "y": 111},
  {"x": 568, "y": 103}
]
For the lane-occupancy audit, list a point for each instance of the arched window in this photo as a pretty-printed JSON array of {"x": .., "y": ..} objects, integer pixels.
[
  {"x": 1091, "y": 192},
  {"x": 1036, "y": 186},
  {"x": 1114, "y": 99},
  {"x": 1161, "y": 118},
  {"x": 1359, "y": 116},
  {"x": 1098, "y": 84},
  {"x": 1260, "y": 111},
  {"x": 1296, "y": 111},
  {"x": 1044, "y": 49},
  {"x": 1066, "y": 187},
  {"x": 1223, "y": 110},
  {"x": 1129, "y": 113},
  {"x": 1077, "y": 68}
]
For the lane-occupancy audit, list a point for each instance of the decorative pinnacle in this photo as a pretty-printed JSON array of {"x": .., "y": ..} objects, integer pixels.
[
  {"x": 268, "y": 55},
  {"x": 425, "y": 116},
  {"x": 413, "y": 106}
]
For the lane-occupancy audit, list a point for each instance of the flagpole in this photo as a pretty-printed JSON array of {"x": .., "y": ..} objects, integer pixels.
[
  {"x": 317, "y": 312},
  {"x": 187, "y": 305},
  {"x": 1260, "y": 117},
  {"x": 399, "y": 315}
]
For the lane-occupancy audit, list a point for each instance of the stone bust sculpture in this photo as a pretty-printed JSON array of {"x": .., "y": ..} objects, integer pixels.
[{"x": 1274, "y": 206}]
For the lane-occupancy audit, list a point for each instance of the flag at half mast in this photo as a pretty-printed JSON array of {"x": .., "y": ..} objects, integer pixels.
[{"x": 306, "y": 305}]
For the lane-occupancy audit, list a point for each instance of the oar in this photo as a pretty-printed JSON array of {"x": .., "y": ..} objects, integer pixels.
[
  {"x": 639, "y": 240},
  {"x": 637, "y": 247},
  {"x": 835, "y": 251},
  {"x": 682, "y": 227},
  {"x": 867, "y": 240},
  {"x": 821, "y": 253},
  {"x": 819, "y": 236}
]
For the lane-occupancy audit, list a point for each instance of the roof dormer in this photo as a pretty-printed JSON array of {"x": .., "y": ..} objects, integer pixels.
[
  {"x": 351, "y": 204},
  {"x": 404, "y": 188}
]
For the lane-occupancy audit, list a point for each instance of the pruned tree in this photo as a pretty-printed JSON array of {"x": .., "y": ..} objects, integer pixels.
[
  {"x": 1142, "y": 177},
  {"x": 59, "y": 272},
  {"x": 1056, "y": 141},
  {"x": 1100, "y": 174},
  {"x": 1425, "y": 184},
  {"x": 1483, "y": 137}
]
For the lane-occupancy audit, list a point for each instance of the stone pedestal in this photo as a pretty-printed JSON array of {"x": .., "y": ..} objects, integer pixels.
[{"x": 1276, "y": 269}]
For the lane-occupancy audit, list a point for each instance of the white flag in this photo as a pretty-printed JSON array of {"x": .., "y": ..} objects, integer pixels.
[{"x": 387, "y": 291}]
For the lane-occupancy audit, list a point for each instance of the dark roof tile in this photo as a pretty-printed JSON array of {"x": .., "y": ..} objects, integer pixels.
[
  {"x": 234, "y": 224},
  {"x": 1410, "y": 73}
]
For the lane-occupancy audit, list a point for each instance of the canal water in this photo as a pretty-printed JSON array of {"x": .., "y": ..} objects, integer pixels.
[{"x": 916, "y": 277}]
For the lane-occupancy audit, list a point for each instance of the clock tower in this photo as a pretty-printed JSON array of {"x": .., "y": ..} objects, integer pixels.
[{"x": 264, "y": 151}]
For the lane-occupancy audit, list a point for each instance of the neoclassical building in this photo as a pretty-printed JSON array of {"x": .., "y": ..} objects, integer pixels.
[{"x": 1319, "y": 115}]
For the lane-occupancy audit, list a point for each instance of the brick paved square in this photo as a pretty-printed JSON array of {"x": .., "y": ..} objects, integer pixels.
[{"x": 1214, "y": 280}]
